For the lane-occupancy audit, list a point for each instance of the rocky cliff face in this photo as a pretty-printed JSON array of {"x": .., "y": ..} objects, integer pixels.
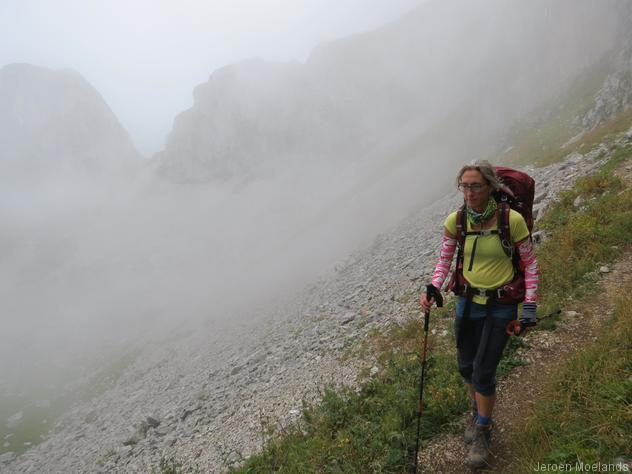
[
  {"x": 615, "y": 95},
  {"x": 471, "y": 68},
  {"x": 249, "y": 114},
  {"x": 54, "y": 122}
]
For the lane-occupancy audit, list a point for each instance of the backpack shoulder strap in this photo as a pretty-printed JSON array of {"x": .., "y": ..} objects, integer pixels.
[
  {"x": 456, "y": 284},
  {"x": 461, "y": 226},
  {"x": 504, "y": 229},
  {"x": 461, "y": 234}
]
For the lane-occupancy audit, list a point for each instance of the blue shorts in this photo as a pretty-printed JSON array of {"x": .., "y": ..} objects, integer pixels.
[
  {"x": 478, "y": 311},
  {"x": 481, "y": 371}
]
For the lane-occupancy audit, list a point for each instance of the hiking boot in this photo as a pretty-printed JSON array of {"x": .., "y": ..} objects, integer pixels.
[
  {"x": 479, "y": 454},
  {"x": 470, "y": 429}
]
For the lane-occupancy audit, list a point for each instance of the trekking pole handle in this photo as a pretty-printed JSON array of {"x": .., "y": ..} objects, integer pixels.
[{"x": 433, "y": 292}]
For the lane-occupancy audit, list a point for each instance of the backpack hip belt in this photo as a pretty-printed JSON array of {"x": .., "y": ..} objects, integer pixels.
[
  {"x": 497, "y": 293},
  {"x": 511, "y": 292}
]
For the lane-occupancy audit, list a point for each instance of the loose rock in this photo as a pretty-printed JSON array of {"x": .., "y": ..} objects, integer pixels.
[{"x": 214, "y": 389}]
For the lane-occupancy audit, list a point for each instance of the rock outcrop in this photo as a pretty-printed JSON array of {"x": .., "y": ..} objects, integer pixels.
[
  {"x": 407, "y": 89},
  {"x": 615, "y": 94},
  {"x": 54, "y": 122}
]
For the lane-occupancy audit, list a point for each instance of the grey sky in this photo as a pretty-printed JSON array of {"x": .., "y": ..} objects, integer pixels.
[{"x": 146, "y": 56}]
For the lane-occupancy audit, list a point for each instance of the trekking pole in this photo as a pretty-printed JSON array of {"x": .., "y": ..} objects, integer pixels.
[
  {"x": 513, "y": 325},
  {"x": 431, "y": 292}
]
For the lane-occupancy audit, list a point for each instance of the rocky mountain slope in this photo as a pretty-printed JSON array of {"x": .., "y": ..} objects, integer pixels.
[
  {"x": 615, "y": 95},
  {"x": 54, "y": 122},
  {"x": 445, "y": 69},
  {"x": 203, "y": 397}
]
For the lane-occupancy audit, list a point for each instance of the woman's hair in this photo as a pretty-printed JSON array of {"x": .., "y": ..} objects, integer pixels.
[{"x": 485, "y": 168}]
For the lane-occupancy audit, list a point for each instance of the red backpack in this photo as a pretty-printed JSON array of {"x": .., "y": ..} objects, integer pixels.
[{"x": 516, "y": 192}]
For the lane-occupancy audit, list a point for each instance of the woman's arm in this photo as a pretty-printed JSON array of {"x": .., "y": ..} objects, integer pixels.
[
  {"x": 448, "y": 246},
  {"x": 531, "y": 277}
]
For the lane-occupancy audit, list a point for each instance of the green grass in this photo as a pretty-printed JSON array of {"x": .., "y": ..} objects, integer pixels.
[
  {"x": 585, "y": 412},
  {"x": 510, "y": 358},
  {"x": 168, "y": 465},
  {"x": 37, "y": 417},
  {"x": 373, "y": 429},
  {"x": 103, "y": 459},
  {"x": 542, "y": 138},
  {"x": 583, "y": 238},
  {"x": 43, "y": 406}
]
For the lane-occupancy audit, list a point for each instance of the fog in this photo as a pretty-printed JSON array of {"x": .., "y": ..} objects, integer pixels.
[
  {"x": 146, "y": 56},
  {"x": 99, "y": 258},
  {"x": 91, "y": 262}
]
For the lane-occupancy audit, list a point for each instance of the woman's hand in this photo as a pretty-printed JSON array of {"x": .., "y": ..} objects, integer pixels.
[{"x": 425, "y": 303}]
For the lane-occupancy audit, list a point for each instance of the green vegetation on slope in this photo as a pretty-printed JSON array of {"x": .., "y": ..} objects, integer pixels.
[
  {"x": 552, "y": 137},
  {"x": 581, "y": 238},
  {"x": 373, "y": 429},
  {"x": 551, "y": 133},
  {"x": 41, "y": 408},
  {"x": 584, "y": 415}
]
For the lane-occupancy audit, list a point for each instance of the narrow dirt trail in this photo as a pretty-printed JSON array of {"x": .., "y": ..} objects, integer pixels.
[
  {"x": 519, "y": 391},
  {"x": 546, "y": 350}
]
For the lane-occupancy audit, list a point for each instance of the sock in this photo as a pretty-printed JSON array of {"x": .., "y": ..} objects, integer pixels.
[{"x": 483, "y": 420}]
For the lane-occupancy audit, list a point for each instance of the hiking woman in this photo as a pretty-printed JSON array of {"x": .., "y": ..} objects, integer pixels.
[{"x": 484, "y": 303}]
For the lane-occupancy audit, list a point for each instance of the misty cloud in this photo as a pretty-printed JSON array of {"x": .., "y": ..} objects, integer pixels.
[{"x": 276, "y": 171}]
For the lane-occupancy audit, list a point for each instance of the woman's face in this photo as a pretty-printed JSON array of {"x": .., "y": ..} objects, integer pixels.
[{"x": 475, "y": 189}]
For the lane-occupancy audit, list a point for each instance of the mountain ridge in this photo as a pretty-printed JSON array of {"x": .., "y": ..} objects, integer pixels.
[
  {"x": 401, "y": 75},
  {"x": 54, "y": 121}
]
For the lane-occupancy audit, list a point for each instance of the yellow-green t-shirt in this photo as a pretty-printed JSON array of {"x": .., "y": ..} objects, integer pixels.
[{"x": 491, "y": 266}]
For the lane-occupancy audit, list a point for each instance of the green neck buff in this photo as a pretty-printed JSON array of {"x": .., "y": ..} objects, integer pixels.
[{"x": 476, "y": 218}]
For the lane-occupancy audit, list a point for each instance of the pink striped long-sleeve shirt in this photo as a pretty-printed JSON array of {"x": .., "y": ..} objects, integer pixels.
[
  {"x": 527, "y": 256},
  {"x": 448, "y": 246},
  {"x": 531, "y": 273}
]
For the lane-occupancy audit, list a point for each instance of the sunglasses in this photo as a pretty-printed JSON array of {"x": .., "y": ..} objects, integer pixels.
[{"x": 476, "y": 187}]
